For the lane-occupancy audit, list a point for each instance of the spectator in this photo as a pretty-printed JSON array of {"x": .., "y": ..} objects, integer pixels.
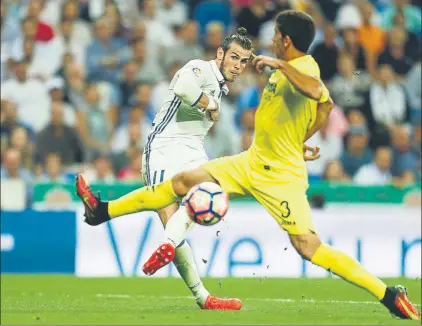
[
  {"x": 104, "y": 55},
  {"x": 143, "y": 97},
  {"x": 172, "y": 13},
  {"x": 11, "y": 167},
  {"x": 246, "y": 140},
  {"x": 214, "y": 36},
  {"x": 160, "y": 90},
  {"x": 139, "y": 32},
  {"x": 156, "y": 31},
  {"x": 129, "y": 82},
  {"x": 131, "y": 135},
  {"x": 67, "y": 61},
  {"x": 331, "y": 145},
  {"x": 81, "y": 31},
  {"x": 249, "y": 98},
  {"x": 53, "y": 169},
  {"x": 363, "y": 60},
  {"x": 132, "y": 173},
  {"x": 377, "y": 173},
  {"x": 59, "y": 138},
  {"x": 75, "y": 85},
  {"x": 395, "y": 54},
  {"x": 112, "y": 13},
  {"x": 404, "y": 158},
  {"x": 253, "y": 16},
  {"x": 356, "y": 117},
  {"x": 326, "y": 53},
  {"x": 68, "y": 43},
  {"x": 388, "y": 100},
  {"x": 337, "y": 122},
  {"x": 186, "y": 47},
  {"x": 19, "y": 140},
  {"x": 55, "y": 87},
  {"x": 412, "y": 47},
  {"x": 413, "y": 86},
  {"x": 28, "y": 28},
  {"x": 334, "y": 173},
  {"x": 101, "y": 171},
  {"x": 30, "y": 96},
  {"x": 49, "y": 12},
  {"x": 266, "y": 33},
  {"x": 10, "y": 29},
  {"x": 149, "y": 70},
  {"x": 349, "y": 16},
  {"x": 348, "y": 87},
  {"x": 28, "y": 50},
  {"x": 411, "y": 13},
  {"x": 329, "y": 8},
  {"x": 44, "y": 32},
  {"x": 371, "y": 37},
  {"x": 219, "y": 141},
  {"x": 43, "y": 60},
  {"x": 92, "y": 122},
  {"x": 357, "y": 152},
  {"x": 247, "y": 122},
  {"x": 9, "y": 121}
]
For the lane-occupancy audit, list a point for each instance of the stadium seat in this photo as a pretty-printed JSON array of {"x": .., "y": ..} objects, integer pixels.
[{"x": 213, "y": 10}]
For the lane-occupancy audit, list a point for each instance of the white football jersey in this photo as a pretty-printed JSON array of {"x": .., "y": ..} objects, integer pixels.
[{"x": 180, "y": 122}]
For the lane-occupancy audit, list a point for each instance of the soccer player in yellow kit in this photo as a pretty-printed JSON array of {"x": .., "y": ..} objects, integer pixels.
[{"x": 294, "y": 104}]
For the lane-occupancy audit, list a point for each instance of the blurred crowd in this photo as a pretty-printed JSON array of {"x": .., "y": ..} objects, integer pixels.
[{"x": 81, "y": 82}]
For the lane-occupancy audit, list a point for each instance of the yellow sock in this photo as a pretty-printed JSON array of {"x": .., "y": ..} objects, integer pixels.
[
  {"x": 349, "y": 269},
  {"x": 144, "y": 199}
]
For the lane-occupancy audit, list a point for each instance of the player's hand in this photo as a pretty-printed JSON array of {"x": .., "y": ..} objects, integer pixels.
[
  {"x": 212, "y": 115},
  {"x": 262, "y": 61},
  {"x": 314, "y": 153}
]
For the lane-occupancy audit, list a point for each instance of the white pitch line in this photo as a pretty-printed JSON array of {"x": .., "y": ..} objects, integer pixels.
[{"x": 102, "y": 295}]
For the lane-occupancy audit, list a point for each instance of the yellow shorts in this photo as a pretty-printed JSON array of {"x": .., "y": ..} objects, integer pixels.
[{"x": 287, "y": 203}]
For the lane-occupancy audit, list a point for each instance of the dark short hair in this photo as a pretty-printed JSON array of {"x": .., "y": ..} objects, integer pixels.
[
  {"x": 299, "y": 26},
  {"x": 239, "y": 37}
]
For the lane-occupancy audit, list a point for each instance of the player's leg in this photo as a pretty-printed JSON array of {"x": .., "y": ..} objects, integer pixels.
[
  {"x": 183, "y": 258},
  {"x": 149, "y": 198},
  {"x": 186, "y": 266},
  {"x": 229, "y": 172},
  {"x": 395, "y": 298},
  {"x": 289, "y": 206}
]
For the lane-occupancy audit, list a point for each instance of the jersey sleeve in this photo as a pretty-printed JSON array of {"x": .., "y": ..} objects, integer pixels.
[
  {"x": 190, "y": 83},
  {"x": 325, "y": 94},
  {"x": 312, "y": 69}
]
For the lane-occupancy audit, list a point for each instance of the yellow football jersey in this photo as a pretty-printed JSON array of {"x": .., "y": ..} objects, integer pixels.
[{"x": 281, "y": 123}]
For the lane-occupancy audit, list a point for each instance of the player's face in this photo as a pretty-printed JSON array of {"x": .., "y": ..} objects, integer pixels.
[
  {"x": 280, "y": 43},
  {"x": 234, "y": 61}
]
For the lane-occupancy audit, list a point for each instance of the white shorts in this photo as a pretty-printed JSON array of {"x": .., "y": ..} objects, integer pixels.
[{"x": 164, "y": 162}]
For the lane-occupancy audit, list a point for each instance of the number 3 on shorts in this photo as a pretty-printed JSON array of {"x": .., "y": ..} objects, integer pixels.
[{"x": 285, "y": 210}]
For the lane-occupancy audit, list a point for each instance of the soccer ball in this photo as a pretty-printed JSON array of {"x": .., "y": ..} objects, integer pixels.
[{"x": 206, "y": 203}]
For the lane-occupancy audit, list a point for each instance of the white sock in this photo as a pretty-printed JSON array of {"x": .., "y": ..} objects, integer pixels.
[
  {"x": 186, "y": 266},
  {"x": 178, "y": 227}
]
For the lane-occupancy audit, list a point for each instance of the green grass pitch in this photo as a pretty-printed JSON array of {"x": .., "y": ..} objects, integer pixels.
[{"x": 58, "y": 300}]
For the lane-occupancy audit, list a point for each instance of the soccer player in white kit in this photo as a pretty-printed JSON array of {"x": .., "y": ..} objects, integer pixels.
[{"x": 176, "y": 143}]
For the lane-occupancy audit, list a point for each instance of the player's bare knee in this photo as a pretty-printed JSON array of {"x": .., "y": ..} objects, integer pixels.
[
  {"x": 305, "y": 245},
  {"x": 184, "y": 181},
  {"x": 180, "y": 183}
]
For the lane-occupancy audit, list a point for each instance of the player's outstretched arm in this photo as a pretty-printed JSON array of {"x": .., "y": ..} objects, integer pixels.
[
  {"x": 323, "y": 111},
  {"x": 188, "y": 89},
  {"x": 310, "y": 86}
]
